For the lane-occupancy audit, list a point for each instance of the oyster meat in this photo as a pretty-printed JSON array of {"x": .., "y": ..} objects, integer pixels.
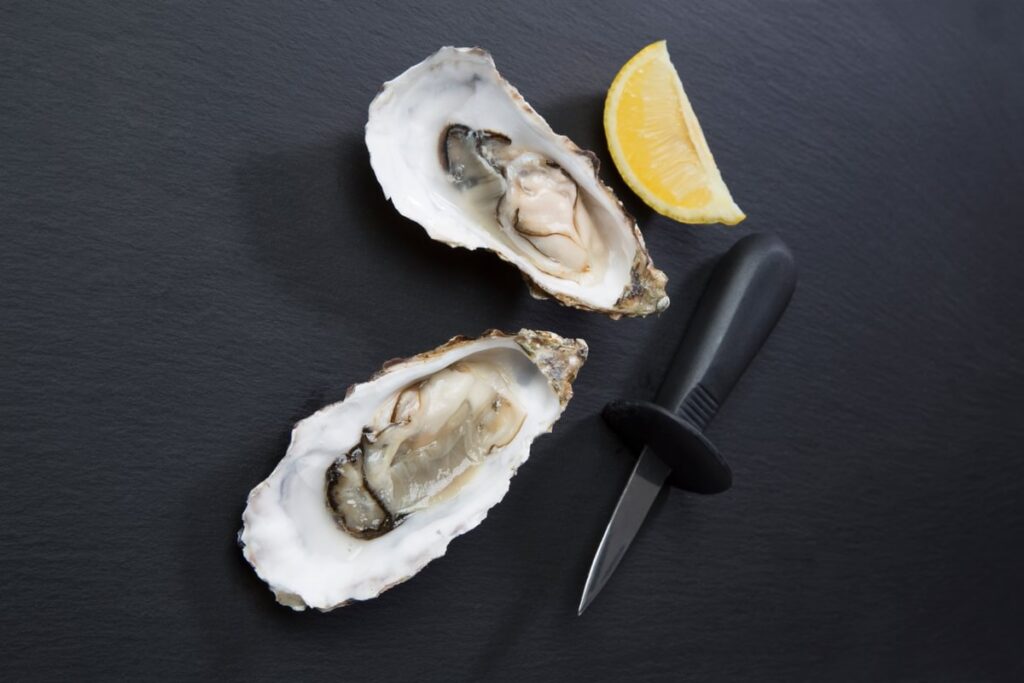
[
  {"x": 457, "y": 149},
  {"x": 373, "y": 488}
]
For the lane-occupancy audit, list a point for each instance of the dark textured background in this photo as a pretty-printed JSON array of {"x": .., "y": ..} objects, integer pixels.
[{"x": 195, "y": 254}]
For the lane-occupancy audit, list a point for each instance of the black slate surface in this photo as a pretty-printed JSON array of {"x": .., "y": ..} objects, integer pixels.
[{"x": 195, "y": 254}]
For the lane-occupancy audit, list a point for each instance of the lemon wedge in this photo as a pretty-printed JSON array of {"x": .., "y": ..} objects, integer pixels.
[{"x": 658, "y": 146}]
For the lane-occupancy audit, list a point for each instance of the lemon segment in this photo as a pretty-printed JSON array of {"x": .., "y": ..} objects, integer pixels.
[{"x": 658, "y": 146}]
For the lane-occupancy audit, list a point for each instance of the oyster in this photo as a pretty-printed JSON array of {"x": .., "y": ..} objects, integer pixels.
[
  {"x": 373, "y": 488},
  {"x": 458, "y": 150}
]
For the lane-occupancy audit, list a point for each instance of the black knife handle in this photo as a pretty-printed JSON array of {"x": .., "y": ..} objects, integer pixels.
[{"x": 745, "y": 296}]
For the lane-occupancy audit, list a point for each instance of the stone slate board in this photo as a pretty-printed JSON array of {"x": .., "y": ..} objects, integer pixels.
[{"x": 195, "y": 255}]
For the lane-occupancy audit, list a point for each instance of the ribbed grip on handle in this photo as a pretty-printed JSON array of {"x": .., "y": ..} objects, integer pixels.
[{"x": 699, "y": 407}]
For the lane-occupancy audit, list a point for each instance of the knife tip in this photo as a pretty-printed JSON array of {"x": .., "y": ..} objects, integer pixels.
[{"x": 584, "y": 603}]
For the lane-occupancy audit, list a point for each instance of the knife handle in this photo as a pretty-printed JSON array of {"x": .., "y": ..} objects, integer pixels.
[{"x": 744, "y": 299}]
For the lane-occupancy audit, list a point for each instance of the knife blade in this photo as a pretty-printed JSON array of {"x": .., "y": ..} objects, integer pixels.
[
  {"x": 746, "y": 295},
  {"x": 643, "y": 487}
]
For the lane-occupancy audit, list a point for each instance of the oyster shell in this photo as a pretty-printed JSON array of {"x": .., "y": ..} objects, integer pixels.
[
  {"x": 458, "y": 150},
  {"x": 373, "y": 488}
]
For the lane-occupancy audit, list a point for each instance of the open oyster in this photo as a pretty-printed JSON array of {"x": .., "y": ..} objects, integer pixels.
[
  {"x": 373, "y": 488},
  {"x": 458, "y": 150}
]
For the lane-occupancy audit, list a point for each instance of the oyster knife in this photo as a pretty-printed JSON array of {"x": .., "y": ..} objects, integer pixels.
[{"x": 746, "y": 295}]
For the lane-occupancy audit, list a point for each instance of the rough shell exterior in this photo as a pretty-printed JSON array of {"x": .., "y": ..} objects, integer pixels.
[{"x": 560, "y": 359}]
